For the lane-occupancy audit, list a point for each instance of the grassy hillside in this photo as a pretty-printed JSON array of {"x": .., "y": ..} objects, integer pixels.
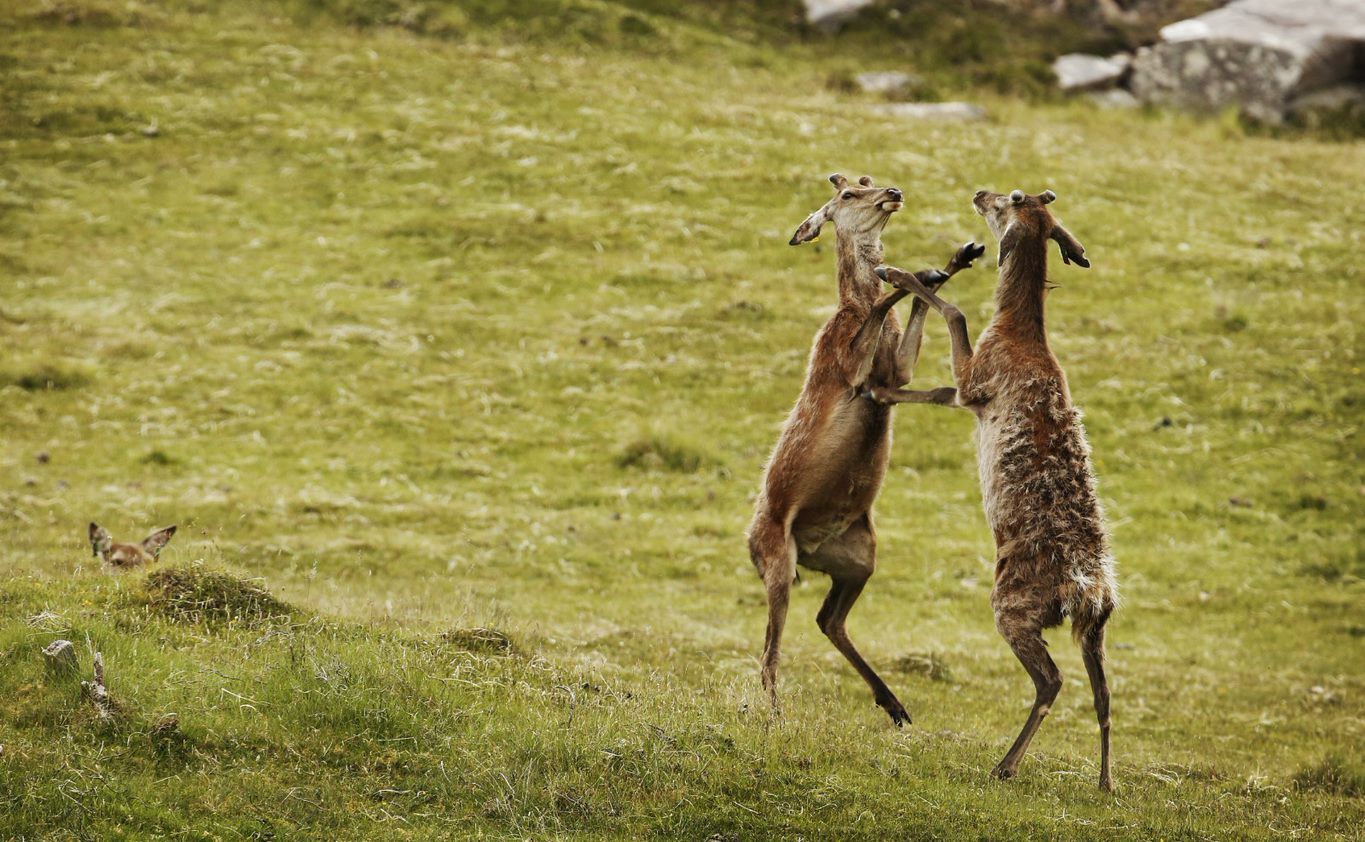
[{"x": 442, "y": 324}]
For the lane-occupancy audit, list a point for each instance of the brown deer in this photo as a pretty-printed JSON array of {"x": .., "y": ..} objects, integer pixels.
[
  {"x": 815, "y": 505},
  {"x": 1052, "y": 550},
  {"x": 120, "y": 556}
]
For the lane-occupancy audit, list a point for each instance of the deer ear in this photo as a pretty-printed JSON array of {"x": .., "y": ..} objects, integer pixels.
[
  {"x": 838, "y": 181},
  {"x": 810, "y": 229},
  {"x": 1072, "y": 250},
  {"x": 1017, "y": 196},
  {"x": 1047, "y": 197},
  {"x": 865, "y": 181},
  {"x": 158, "y": 539},
  {"x": 100, "y": 539}
]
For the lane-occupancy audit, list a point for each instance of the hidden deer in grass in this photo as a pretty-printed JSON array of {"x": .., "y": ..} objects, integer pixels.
[
  {"x": 815, "y": 505},
  {"x": 1052, "y": 550},
  {"x": 122, "y": 556}
]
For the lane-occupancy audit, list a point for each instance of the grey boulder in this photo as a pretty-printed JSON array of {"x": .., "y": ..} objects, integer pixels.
[{"x": 1256, "y": 55}]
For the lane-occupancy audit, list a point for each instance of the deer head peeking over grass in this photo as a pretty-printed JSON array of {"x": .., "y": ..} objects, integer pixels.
[{"x": 122, "y": 556}]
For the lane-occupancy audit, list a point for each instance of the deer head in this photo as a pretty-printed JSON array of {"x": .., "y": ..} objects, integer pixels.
[
  {"x": 1018, "y": 216},
  {"x": 860, "y": 209},
  {"x": 128, "y": 555}
]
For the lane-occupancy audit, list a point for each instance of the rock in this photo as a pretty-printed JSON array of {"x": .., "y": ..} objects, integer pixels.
[
  {"x": 965, "y": 111},
  {"x": 1257, "y": 55},
  {"x": 892, "y": 83},
  {"x": 1114, "y": 98},
  {"x": 1344, "y": 102},
  {"x": 60, "y": 656},
  {"x": 829, "y": 15},
  {"x": 1083, "y": 72}
]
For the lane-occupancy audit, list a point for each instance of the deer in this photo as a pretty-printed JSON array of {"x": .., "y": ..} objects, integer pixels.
[
  {"x": 1053, "y": 557},
  {"x": 124, "y": 556},
  {"x": 814, "y": 507}
]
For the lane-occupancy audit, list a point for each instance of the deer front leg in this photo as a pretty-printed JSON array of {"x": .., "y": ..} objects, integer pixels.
[
  {"x": 862, "y": 350},
  {"x": 957, "y": 322},
  {"x": 944, "y": 396},
  {"x": 907, "y": 353}
]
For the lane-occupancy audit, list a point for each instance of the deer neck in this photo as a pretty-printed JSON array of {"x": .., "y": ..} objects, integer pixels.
[
  {"x": 859, "y": 256},
  {"x": 1022, "y": 292}
]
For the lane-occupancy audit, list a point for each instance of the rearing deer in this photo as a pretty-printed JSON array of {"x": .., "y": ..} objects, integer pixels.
[
  {"x": 815, "y": 506},
  {"x": 1052, "y": 550}
]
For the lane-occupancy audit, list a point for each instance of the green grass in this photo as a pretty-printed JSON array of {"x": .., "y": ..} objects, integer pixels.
[{"x": 445, "y": 336}]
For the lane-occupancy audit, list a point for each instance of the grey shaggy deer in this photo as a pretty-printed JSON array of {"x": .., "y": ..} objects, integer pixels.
[
  {"x": 1052, "y": 550},
  {"x": 815, "y": 506}
]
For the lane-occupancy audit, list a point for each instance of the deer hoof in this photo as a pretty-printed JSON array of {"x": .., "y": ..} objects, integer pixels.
[
  {"x": 1002, "y": 772},
  {"x": 899, "y": 715},
  {"x": 936, "y": 276},
  {"x": 880, "y": 271}
]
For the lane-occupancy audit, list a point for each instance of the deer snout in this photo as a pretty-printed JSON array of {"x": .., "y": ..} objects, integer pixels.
[{"x": 894, "y": 195}]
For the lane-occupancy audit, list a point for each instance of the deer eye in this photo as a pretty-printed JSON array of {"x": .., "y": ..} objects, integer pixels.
[{"x": 847, "y": 196}]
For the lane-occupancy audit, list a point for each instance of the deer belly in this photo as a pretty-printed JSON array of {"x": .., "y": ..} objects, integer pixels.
[
  {"x": 990, "y": 447},
  {"x": 843, "y": 474}
]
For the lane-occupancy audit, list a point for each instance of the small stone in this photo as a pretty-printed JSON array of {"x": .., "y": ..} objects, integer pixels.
[
  {"x": 44, "y": 457},
  {"x": 1083, "y": 72},
  {"x": 829, "y": 15},
  {"x": 151, "y": 131},
  {"x": 1116, "y": 98},
  {"x": 1240, "y": 502},
  {"x": 61, "y": 658},
  {"x": 964, "y": 111},
  {"x": 892, "y": 83}
]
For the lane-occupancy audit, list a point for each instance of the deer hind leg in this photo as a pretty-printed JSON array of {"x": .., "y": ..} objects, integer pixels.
[
  {"x": 1025, "y": 636},
  {"x": 1092, "y": 652},
  {"x": 774, "y": 553},
  {"x": 849, "y": 560}
]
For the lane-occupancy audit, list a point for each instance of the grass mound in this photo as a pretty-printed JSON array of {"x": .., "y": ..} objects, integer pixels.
[
  {"x": 194, "y": 595},
  {"x": 45, "y": 376},
  {"x": 480, "y": 640},
  {"x": 931, "y": 665},
  {"x": 1333, "y": 775},
  {"x": 662, "y": 453}
]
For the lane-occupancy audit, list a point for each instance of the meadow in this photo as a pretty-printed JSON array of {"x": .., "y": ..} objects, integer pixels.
[{"x": 462, "y": 341}]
